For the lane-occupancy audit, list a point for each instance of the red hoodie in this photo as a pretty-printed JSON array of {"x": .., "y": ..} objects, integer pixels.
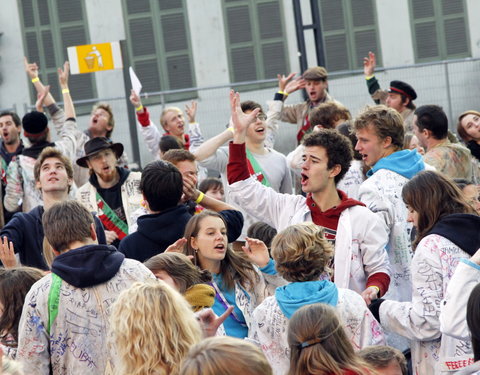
[{"x": 329, "y": 218}]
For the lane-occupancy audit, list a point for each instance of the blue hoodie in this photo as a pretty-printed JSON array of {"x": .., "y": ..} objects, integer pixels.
[
  {"x": 406, "y": 163},
  {"x": 295, "y": 295}
]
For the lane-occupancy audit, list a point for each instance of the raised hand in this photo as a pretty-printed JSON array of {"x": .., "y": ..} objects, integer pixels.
[
  {"x": 240, "y": 120},
  {"x": 191, "y": 111},
  {"x": 210, "y": 322},
  {"x": 135, "y": 99},
  {"x": 282, "y": 80},
  {"x": 369, "y": 64},
  {"x": 41, "y": 97},
  {"x": 256, "y": 251},
  {"x": 63, "y": 75},
  {"x": 294, "y": 85},
  {"x": 7, "y": 253},
  {"x": 177, "y": 246},
  {"x": 31, "y": 68}
]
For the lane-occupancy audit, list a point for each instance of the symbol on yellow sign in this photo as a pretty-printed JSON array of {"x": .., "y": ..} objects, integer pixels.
[{"x": 95, "y": 57}]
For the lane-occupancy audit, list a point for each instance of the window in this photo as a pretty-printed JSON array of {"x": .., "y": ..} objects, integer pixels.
[
  {"x": 159, "y": 46},
  {"x": 255, "y": 39},
  {"x": 349, "y": 29},
  {"x": 439, "y": 29},
  {"x": 50, "y": 26}
]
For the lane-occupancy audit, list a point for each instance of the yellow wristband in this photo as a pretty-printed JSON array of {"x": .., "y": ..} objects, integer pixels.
[
  {"x": 376, "y": 287},
  {"x": 283, "y": 93},
  {"x": 369, "y": 77},
  {"x": 200, "y": 198},
  {"x": 231, "y": 129},
  {"x": 36, "y": 79},
  {"x": 139, "y": 108},
  {"x": 65, "y": 91}
]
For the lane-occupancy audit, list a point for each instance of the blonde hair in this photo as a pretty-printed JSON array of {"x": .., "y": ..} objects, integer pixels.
[
  {"x": 164, "y": 113},
  {"x": 301, "y": 252},
  {"x": 153, "y": 328},
  {"x": 319, "y": 345},
  {"x": 225, "y": 355},
  {"x": 386, "y": 122}
]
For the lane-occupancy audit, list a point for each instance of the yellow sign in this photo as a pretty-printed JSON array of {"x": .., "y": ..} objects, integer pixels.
[{"x": 91, "y": 58}]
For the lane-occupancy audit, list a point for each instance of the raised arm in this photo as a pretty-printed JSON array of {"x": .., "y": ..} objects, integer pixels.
[
  {"x": 194, "y": 131},
  {"x": 369, "y": 65},
  {"x": 32, "y": 71},
  {"x": 67, "y": 99},
  {"x": 149, "y": 130},
  {"x": 210, "y": 146}
]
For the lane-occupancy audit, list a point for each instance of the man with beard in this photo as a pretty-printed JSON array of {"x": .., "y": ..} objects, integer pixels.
[
  {"x": 113, "y": 192},
  {"x": 11, "y": 145}
]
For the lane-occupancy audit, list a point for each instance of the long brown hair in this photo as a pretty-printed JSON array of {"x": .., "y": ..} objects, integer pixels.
[
  {"x": 319, "y": 345},
  {"x": 14, "y": 286},
  {"x": 460, "y": 129},
  {"x": 233, "y": 267},
  {"x": 433, "y": 196}
]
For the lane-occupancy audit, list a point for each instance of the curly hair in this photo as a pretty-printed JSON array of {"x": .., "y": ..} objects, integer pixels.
[
  {"x": 179, "y": 268},
  {"x": 14, "y": 286},
  {"x": 387, "y": 122},
  {"x": 301, "y": 252},
  {"x": 153, "y": 329},
  {"x": 328, "y": 114},
  {"x": 233, "y": 267},
  {"x": 225, "y": 355},
  {"x": 433, "y": 196},
  {"x": 338, "y": 148}
]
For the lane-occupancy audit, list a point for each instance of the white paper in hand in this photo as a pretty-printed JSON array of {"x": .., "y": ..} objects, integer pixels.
[{"x": 136, "y": 84}]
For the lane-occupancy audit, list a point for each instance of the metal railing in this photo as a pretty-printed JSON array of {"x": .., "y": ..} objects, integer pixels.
[{"x": 453, "y": 84}]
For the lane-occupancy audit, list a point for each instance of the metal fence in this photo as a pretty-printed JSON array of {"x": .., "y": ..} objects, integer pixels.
[{"x": 453, "y": 84}]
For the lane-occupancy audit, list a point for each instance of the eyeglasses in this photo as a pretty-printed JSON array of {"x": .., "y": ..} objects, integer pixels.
[{"x": 262, "y": 117}]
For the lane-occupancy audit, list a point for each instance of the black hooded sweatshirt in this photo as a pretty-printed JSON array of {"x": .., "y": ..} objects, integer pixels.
[{"x": 88, "y": 265}]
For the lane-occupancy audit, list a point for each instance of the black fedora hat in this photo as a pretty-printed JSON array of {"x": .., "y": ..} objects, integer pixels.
[{"x": 95, "y": 145}]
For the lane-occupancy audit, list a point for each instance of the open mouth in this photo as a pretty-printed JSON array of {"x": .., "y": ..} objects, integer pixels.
[
  {"x": 220, "y": 247},
  {"x": 364, "y": 156},
  {"x": 304, "y": 179},
  {"x": 260, "y": 130},
  {"x": 53, "y": 179}
]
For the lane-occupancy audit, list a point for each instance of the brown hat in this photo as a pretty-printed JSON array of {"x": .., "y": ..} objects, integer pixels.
[
  {"x": 95, "y": 145},
  {"x": 317, "y": 73}
]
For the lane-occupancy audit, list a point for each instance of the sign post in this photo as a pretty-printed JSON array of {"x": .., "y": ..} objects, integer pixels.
[{"x": 92, "y": 58}]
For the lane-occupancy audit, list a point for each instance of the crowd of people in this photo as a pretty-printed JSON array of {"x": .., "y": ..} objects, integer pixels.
[{"x": 357, "y": 253}]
